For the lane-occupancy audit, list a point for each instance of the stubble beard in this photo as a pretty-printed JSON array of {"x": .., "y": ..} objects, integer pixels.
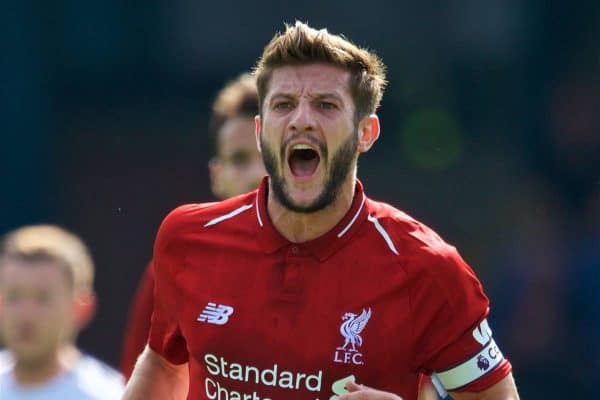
[{"x": 338, "y": 168}]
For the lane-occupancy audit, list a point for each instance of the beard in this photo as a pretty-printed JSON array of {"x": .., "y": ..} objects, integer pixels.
[{"x": 338, "y": 169}]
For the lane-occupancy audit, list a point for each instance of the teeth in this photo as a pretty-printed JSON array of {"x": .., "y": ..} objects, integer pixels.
[{"x": 301, "y": 147}]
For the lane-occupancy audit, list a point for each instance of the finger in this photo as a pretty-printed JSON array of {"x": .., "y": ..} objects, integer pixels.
[
  {"x": 352, "y": 386},
  {"x": 362, "y": 392}
]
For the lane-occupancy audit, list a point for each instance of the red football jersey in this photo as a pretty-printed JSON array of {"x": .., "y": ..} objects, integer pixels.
[{"x": 380, "y": 299}]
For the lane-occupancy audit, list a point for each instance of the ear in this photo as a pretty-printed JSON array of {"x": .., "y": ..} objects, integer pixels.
[
  {"x": 257, "y": 127},
  {"x": 368, "y": 132},
  {"x": 84, "y": 306}
]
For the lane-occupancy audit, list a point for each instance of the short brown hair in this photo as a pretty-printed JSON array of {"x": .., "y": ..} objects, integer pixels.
[
  {"x": 39, "y": 243},
  {"x": 301, "y": 44},
  {"x": 237, "y": 99}
]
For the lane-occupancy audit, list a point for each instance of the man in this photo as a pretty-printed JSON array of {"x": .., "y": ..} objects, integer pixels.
[
  {"x": 305, "y": 288},
  {"x": 235, "y": 169},
  {"x": 46, "y": 298},
  {"x": 237, "y": 166}
]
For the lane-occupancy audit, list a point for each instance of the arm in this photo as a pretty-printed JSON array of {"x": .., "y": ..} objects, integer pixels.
[
  {"x": 154, "y": 378},
  {"x": 362, "y": 392},
  {"x": 138, "y": 325},
  {"x": 505, "y": 389}
]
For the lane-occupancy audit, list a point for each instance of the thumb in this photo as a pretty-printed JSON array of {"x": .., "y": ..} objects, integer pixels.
[
  {"x": 366, "y": 392},
  {"x": 352, "y": 386}
]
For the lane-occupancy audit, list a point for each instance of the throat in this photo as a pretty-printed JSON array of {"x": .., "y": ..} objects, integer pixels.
[
  {"x": 36, "y": 373},
  {"x": 43, "y": 369},
  {"x": 299, "y": 227},
  {"x": 303, "y": 163}
]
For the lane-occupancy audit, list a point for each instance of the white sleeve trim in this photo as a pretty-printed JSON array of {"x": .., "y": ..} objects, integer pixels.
[
  {"x": 383, "y": 233},
  {"x": 228, "y": 215},
  {"x": 353, "y": 220},
  {"x": 472, "y": 369}
]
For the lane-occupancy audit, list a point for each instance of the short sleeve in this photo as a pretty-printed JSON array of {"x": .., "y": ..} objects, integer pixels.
[
  {"x": 451, "y": 334},
  {"x": 165, "y": 335}
]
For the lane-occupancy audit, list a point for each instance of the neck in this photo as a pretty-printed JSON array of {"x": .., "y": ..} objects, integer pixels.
[
  {"x": 43, "y": 369},
  {"x": 302, "y": 227}
]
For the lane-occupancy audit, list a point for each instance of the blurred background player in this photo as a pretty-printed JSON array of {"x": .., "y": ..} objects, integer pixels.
[
  {"x": 236, "y": 168},
  {"x": 46, "y": 298}
]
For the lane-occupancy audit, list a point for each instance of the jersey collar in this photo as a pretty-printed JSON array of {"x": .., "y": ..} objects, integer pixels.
[{"x": 322, "y": 247}]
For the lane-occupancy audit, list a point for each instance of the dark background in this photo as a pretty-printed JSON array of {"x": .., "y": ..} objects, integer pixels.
[{"x": 490, "y": 134}]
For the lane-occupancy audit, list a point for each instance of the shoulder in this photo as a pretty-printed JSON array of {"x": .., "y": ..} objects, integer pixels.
[
  {"x": 190, "y": 220},
  {"x": 425, "y": 254},
  {"x": 411, "y": 235},
  {"x": 6, "y": 368},
  {"x": 6, "y": 361},
  {"x": 192, "y": 216},
  {"x": 92, "y": 374},
  {"x": 6, "y": 365},
  {"x": 7, "y": 384}
]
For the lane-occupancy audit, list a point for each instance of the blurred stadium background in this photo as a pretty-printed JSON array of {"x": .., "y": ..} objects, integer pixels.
[{"x": 491, "y": 135}]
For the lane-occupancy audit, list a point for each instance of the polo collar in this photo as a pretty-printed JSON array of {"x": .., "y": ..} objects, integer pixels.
[{"x": 270, "y": 240}]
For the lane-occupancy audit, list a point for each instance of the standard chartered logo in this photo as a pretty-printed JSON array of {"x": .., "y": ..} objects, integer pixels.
[{"x": 218, "y": 368}]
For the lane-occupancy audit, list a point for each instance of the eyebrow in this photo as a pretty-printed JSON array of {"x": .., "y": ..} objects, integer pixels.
[
  {"x": 318, "y": 96},
  {"x": 279, "y": 96},
  {"x": 329, "y": 95}
]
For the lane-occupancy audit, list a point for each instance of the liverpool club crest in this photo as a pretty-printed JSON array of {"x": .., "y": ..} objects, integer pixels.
[{"x": 352, "y": 326}]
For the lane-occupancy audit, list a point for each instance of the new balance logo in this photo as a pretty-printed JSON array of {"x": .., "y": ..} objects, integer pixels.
[{"x": 215, "y": 314}]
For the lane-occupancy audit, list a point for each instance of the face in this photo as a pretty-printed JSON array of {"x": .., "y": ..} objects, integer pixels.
[
  {"x": 308, "y": 137},
  {"x": 36, "y": 308},
  {"x": 238, "y": 168}
]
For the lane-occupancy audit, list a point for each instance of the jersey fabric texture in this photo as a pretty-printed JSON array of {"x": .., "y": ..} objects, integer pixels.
[
  {"x": 90, "y": 379},
  {"x": 380, "y": 299}
]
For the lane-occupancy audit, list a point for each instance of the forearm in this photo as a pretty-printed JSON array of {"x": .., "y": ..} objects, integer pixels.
[
  {"x": 156, "y": 379},
  {"x": 503, "y": 390}
]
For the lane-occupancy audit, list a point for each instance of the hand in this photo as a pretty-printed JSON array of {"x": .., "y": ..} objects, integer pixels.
[{"x": 361, "y": 392}]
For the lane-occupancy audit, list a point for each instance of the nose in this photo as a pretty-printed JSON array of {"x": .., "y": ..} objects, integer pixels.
[{"x": 302, "y": 117}]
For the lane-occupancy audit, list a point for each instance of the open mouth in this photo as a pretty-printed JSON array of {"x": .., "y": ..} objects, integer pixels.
[{"x": 303, "y": 160}]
